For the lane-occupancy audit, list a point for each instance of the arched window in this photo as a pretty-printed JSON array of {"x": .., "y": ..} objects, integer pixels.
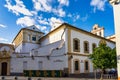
[
  {"x": 76, "y": 45},
  {"x": 86, "y": 47},
  {"x": 93, "y": 46}
]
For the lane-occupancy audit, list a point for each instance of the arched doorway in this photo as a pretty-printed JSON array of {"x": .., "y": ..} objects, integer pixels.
[{"x": 4, "y": 68}]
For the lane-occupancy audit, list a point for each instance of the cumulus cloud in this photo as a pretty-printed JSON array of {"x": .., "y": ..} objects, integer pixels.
[
  {"x": 43, "y": 28},
  {"x": 74, "y": 17},
  {"x": 77, "y": 16},
  {"x": 64, "y": 2},
  {"x": 3, "y": 26},
  {"x": 18, "y": 8},
  {"x": 42, "y": 5},
  {"x": 59, "y": 12},
  {"x": 98, "y": 5},
  {"x": 30, "y": 17},
  {"x": 25, "y": 21},
  {"x": 46, "y": 6},
  {"x": 42, "y": 20}
]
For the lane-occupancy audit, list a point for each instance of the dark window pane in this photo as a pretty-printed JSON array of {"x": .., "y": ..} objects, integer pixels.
[
  {"x": 76, "y": 65},
  {"x": 34, "y": 38},
  {"x": 86, "y": 47},
  {"x": 76, "y": 44},
  {"x": 86, "y": 65}
]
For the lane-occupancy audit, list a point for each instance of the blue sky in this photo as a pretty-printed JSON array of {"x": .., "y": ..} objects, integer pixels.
[{"x": 16, "y": 14}]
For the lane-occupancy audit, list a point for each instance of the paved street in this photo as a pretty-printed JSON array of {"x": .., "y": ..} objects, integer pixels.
[{"x": 41, "y": 78}]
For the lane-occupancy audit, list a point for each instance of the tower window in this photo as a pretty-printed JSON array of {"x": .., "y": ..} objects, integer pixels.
[
  {"x": 33, "y": 38},
  {"x": 33, "y": 28}
]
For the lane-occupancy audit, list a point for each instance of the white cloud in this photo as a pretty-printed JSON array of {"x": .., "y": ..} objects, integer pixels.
[
  {"x": 84, "y": 18},
  {"x": 76, "y": 17},
  {"x": 3, "y": 26},
  {"x": 98, "y": 5},
  {"x": 42, "y": 20},
  {"x": 3, "y": 39},
  {"x": 18, "y": 8},
  {"x": 42, "y": 5},
  {"x": 73, "y": 16},
  {"x": 69, "y": 15},
  {"x": 43, "y": 28},
  {"x": 54, "y": 22},
  {"x": 46, "y": 6},
  {"x": 64, "y": 2},
  {"x": 59, "y": 12},
  {"x": 25, "y": 21}
]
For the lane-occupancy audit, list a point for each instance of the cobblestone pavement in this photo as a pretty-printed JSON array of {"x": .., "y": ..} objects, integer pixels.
[{"x": 42, "y": 78}]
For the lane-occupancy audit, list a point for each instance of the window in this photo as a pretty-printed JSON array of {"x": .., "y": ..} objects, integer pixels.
[
  {"x": 95, "y": 28},
  {"x": 86, "y": 47},
  {"x": 93, "y": 46},
  {"x": 76, "y": 65},
  {"x": 86, "y": 68},
  {"x": 76, "y": 45},
  {"x": 34, "y": 38},
  {"x": 39, "y": 65},
  {"x": 24, "y": 65}
]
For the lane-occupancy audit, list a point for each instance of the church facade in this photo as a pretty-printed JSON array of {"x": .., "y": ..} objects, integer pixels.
[{"x": 64, "y": 50}]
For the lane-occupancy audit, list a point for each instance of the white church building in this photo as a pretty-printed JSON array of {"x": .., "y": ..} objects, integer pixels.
[{"x": 63, "y": 51}]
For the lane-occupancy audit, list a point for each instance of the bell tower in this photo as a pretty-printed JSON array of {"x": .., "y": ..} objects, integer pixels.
[{"x": 97, "y": 30}]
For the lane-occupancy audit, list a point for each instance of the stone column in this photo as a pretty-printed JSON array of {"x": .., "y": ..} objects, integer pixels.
[{"x": 116, "y": 10}]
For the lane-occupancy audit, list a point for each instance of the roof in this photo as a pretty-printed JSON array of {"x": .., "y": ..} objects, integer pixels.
[
  {"x": 68, "y": 25},
  {"x": 34, "y": 28}
]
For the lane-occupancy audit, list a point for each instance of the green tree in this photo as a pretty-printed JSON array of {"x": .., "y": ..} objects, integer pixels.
[{"x": 103, "y": 57}]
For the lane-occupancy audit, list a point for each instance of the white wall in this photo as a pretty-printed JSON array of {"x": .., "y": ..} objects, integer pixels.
[
  {"x": 116, "y": 9},
  {"x": 26, "y": 47},
  {"x": 81, "y": 59},
  {"x": 56, "y": 61},
  {"x": 84, "y": 37},
  {"x": 53, "y": 37}
]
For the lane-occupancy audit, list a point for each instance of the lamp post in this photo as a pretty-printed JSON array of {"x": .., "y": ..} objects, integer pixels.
[{"x": 116, "y": 11}]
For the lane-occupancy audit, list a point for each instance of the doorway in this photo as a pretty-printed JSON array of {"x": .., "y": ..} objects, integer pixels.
[{"x": 4, "y": 68}]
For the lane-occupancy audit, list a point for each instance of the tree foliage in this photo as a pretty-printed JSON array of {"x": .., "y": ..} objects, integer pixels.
[{"x": 104, "y": 57}]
